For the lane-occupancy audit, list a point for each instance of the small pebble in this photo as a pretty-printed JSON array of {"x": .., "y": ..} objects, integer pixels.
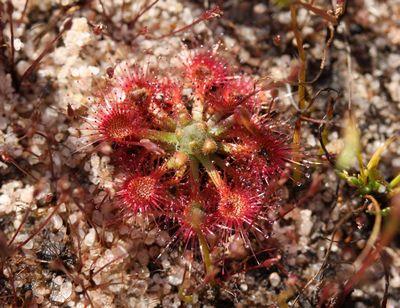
[
  {"x": 274, "y": 279},
  {"x": 90, "y": 237},
  {"x": 305, "y": 223},
  {"x": 57, "y": 221},
  {"x": 260, "y": 8},
  {"x": 175, "y": 277},
  {"x": 58, "y": 280}
]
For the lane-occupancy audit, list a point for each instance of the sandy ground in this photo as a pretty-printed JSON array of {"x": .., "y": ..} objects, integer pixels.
[{"x": 47, "y": 169}]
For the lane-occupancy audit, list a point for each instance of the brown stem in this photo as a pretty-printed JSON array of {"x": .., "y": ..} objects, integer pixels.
[
  {"x": 140, "y": 14},
  {"x": 207, "y": 15},
  {"x": 301, "y": 87},
  {"x": 12, "y": 161},
  {"x": 23, "y": 11},
  {"x": 205, "y": 254},
  {"x": 320, "y": 12},
  {"x": 10, "y": 9},
  {"x": 19, "y": 227},
  {"x": 302, "y": 56},
  {"x": 109, "y": 263},
  {"x": 40, "y": 227},
  {"x": 47, "y": 49},
  {"x": 374, "y": 233}
]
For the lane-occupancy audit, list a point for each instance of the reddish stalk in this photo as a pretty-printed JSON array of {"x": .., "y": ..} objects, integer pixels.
[
  {"x": 8, "y": 159},
  {"x": 301, "y": 87},
  {"x": 109, "y": 263},
  {"x": 3, "y": 44},
  {"x": 205, "y": 253},
  {"x": 19, "y": 227},
  {"x": 207, "y": 15},
  {"x": 302, "y": 57},
  {"x": 36, "y": 232},
  {"x": 24, "y": 11},
  {"x": 47, "y": 49},
  {"x": 320, "y": 12},
  {"x": 10, "y": 9},
  {"x": 141, "y": 13},
  {"x": 50, "y": 152},
  {"x": 374, "y": 233}
]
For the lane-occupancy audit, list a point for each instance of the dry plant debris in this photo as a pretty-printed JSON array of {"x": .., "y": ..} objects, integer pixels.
[{"x": 328, "y": 241}]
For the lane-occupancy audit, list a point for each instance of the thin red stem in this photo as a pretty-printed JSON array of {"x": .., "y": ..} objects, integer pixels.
[
  {"x": 40, "y": 227},
  {"x": 207, "y": 15},
  {"x": 47, "y": 49},
  {"x": 19, "y": 227}
]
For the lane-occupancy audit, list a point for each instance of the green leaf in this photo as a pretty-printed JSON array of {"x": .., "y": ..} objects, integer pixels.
[
  {"x": 374, "y": 161},
  {"x": 395, "y": 182},
  {"x": 348, "y": 156}
]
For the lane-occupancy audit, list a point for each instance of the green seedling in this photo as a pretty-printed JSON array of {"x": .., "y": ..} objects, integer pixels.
[{"x": 368, "y": 180}]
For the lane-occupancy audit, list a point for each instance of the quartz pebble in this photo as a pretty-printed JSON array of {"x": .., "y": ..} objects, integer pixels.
[
  {"x": 175, "y": 276},
  {"x": 57, "y": 221},
  {"x": 90, "y": 237},
  {"x": 274, "y": 279},
  {"x": 305, "y": 224}
]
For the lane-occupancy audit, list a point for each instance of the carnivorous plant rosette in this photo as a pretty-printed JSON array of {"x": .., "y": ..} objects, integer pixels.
[{"x": 200, "y": 151}]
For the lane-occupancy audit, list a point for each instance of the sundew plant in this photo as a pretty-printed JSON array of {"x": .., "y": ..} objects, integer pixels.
[{"x": 200, "y": 150}]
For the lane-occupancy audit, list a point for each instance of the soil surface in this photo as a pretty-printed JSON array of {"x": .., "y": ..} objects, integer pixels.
[{"x": 59, "y": 245}]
